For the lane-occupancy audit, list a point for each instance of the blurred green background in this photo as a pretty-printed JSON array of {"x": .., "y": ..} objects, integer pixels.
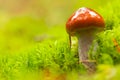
[{"x": 25, "y": 22}]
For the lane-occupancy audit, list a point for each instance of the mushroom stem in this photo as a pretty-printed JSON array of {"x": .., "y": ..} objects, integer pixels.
[{"x": 84, "y": 43}]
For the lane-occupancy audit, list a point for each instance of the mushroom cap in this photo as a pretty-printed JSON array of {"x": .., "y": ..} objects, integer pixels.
[{"x": 84, "y": 19}]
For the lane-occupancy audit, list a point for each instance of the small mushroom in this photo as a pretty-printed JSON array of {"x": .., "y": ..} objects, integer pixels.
[{"x": 84, "y": 24}]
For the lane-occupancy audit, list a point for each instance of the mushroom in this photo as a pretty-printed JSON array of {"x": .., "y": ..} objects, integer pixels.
[{"x": 85, "y": 23}]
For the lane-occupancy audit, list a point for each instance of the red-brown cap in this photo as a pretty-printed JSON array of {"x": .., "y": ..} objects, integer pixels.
[{"x": 84, "y": 18}]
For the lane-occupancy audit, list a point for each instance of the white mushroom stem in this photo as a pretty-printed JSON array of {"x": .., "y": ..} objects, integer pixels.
[{"x": 84, "y": 43}]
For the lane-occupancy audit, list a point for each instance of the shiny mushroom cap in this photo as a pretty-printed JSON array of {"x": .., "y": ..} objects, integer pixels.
[{"x": 82, "y": 19}]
